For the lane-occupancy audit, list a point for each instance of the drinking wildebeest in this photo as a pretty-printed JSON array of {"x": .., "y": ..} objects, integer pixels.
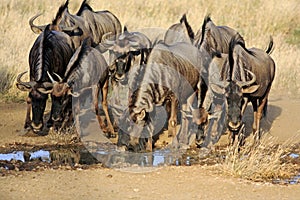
[
  {"x": 249, "y": 74},
  {"x": 89, "y": 23},
  {"x": 171, "y": 70},
  {"x": 128, "y": 54},
  {"x": 87, "y": 69},
  {"x": 50, "y": 52},
  {"x": 215, "y": 40}
]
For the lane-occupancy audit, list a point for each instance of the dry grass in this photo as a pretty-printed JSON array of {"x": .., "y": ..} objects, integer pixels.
[
  {"x": 65, "y": 137},
  {"x": 263, "y": 161},
  {"x": 255, "y": 20}
]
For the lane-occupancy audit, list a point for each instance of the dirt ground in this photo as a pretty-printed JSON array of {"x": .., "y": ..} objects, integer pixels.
[{"x": 172, "y": 182}]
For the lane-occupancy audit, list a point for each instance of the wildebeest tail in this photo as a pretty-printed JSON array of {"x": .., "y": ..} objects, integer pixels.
[
  {"x": 188, "y": 27},
  {"x": 270, "y": 47}
]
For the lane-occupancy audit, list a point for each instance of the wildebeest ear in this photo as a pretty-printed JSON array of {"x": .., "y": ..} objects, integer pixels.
[
  {"x": 141, "y": 115},
  {"x": 250, "y": 89}
]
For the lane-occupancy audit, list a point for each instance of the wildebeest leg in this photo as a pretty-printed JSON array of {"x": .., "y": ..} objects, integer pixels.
[
  {"x": 27, "y": 119},
  {"x": 181, "y": 138},
  {"x": 105, "y": 106},
  {"x": 95, "y": 93},
  {"x": 244, "y": 105},
  {"x": 50, "y": 122},
  {"x": 260, "y": 109},
  {"x": 254, "y": 126},
  {"x": 149, "y": 144},
  {"x": 172, "y": 123}
]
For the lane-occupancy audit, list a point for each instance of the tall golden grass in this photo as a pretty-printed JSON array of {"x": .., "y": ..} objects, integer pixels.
[{"x": 255, "y": 20}]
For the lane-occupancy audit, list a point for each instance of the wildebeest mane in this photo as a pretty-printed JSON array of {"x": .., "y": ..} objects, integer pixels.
[
  {"x": 84, "y": 5},
  {"x": 59, "y": 13},
  {"x": 39, "y": 62},
  {"x": 187, "y": 25},
  {"x": 270, "y": 46},
  {"x": 75, "y": 60},
  {"x": 205, "y": 21},
  {"x": 236, "y": 40}
]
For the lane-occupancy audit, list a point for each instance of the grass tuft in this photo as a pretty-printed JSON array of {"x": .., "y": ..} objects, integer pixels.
[
  {"x": 6, "y": 80},
  {"x": 261, "y": 161}
]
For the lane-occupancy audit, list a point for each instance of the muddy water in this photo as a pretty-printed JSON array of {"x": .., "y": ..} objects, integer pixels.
[{"x": 105, "y": 155}]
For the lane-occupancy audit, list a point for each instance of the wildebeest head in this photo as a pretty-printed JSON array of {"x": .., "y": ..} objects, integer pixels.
[
  {"x": 38, "y": 100},
  {"x": 123, "y": 51},
  {"x": 234, "y": 92},
  {"x": 135, "y": 130},
  {"x": 61, "y": 95}
]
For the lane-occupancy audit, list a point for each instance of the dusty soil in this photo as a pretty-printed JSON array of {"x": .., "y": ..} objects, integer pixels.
[{"x": 172, "y": 182}]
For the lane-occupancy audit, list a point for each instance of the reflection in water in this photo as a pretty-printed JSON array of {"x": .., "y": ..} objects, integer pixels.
[
  {"x": 108, "y": 157},
  {"x": 118, "y": 160}
]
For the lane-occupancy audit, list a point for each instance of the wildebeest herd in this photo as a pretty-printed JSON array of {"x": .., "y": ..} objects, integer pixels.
[{"x": 204, "y": 80}]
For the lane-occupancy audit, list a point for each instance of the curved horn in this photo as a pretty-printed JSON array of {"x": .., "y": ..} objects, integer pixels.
[
  {"x": 73, "y": 94},
  {"x": 51, "y": 78},
  {"x": 44, "y": 91},
  {"x": 47, "y": 84},
  {"x": 58, "y": 76},
  {"x": 21, "y": 84},
  {"x": 134, "y": 43},
  {"x": 242, "y": 84},
  {"x": 106, "y": 36},
  {"x": 36, "y": 29}
]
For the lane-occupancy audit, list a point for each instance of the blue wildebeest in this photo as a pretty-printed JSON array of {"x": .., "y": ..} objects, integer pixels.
[
  {"x": 79, "y": 27},
  {"x": 215, "y": 40},
  {"x": 171, "y": 70},
  {"x": 87, "y": 69},
  {"x": 50, "y": 52},
  {"x": 249, "y": 74},
  {"x": 89, "y": 23},
  {"x": 179, "y": 32},
  {"x": 128, "y": 53}
]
